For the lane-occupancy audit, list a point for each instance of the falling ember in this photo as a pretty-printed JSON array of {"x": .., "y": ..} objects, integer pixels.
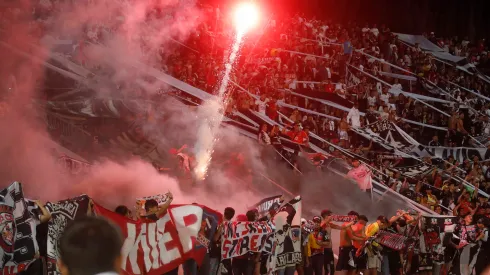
[{"x": 245, "y": 17}]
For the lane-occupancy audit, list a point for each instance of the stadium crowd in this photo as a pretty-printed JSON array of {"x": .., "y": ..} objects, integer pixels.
[
  {"x": 358, "y": 251},
  {"x": 361, "y": 68}
]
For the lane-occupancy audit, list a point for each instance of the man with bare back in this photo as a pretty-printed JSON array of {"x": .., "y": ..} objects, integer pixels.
[
  {"x": 345, "y": 263},
  {"x": 356, "y": 233}
]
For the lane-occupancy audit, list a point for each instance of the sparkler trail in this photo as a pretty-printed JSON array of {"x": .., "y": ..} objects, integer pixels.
[{"x": 212, "y": 112}]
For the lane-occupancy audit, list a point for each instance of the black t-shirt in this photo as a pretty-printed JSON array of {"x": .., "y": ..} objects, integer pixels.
[{"x": 42, "y": 238}]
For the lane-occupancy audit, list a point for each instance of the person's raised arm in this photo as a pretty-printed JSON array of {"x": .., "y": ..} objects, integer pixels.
[
  {"x": 218, "y": 233},
  {"x": 455, "y": 210},
  {"x": 397, "y": 217},
  {"x": 182, "y": 148},
  {"x": 45, "y": 215},
  {"x": 475, "y": 193},
  {"x": 163, "y": 209},
  {"x": 461, "y": 196},
  {"x": 340, "y": 227},
  {"x": 90, "y": 207}
]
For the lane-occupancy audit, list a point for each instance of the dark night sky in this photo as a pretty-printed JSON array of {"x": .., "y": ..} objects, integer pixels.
[{"x": 445, "y": 17}]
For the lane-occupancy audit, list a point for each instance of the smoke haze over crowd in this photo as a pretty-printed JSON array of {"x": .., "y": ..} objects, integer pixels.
[{"x": 27, "y": 149}]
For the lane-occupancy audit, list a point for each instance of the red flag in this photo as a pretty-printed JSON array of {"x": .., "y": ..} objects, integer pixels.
[{"x": 154, "y": 248}]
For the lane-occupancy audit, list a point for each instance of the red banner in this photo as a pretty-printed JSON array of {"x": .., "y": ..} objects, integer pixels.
[{"x": 154, "y": 248}]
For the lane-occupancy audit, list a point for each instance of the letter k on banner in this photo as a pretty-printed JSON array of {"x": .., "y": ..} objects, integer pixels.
[{"x": 154, "y": 248}]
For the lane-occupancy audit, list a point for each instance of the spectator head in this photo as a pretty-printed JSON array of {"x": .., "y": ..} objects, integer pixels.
[
  {"x": 382, "y": 221},
  {"x": 353, "y": 213},
  {"x": 468, "y": 219},
  {"x": 435, "y": 138},
  {"x": 317, "y": 220},
  {"x": 482, "y": 199},
  {"x": 307, "y": 129},
  {"x": 123, "y": 211},
  {"x": 90, "y": 245},
  {"x": 438, "y": 209},
  {"x": 362, "y": 220},
  {"x": 355, "y": 163},
  {"x": 482, "y": 223},
  {"x": 325, "y": 213},
  {"x": 297, "y": 127},
  {"x": 251, "y": 215},
  {"x": 151, "y": 206},
  {"x": 229, "y": 213},
  {"x": 263, "y": 127}
]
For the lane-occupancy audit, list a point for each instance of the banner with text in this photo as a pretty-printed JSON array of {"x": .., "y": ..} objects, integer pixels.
[
  {"x": 62, "y": 213},
  {"x": 240, "y": 238},
  {"x": 154, "y": 248},
  {"x": 24, "y": 243},
  {"x": 267, "y": 204},
  {"x": 288, "y": 235}
]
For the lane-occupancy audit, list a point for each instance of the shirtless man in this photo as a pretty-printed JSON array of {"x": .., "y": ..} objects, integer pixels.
[
  {"x": 345, "y": 263},
  {"x": 326, "y": 230},
  {"x": 356, "y": 233},
  {"x": 460, "y": 130},
  {"x": 451, "y": 127}
]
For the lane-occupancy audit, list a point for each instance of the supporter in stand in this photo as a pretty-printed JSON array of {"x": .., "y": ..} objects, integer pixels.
[
  {"x": 315, "y": 245},
  {"x": 465, "y": 239},
  {"x": 354, "y": 117},
  {"x": 215, "y": 251},
  {"x": 123, "y": 211},
  {"x": 356, "y": 233},
  {"x": 345, "y": 261},
  {"x": 391, "y": 262},
  {"x": 88, "y": 246},
  {"x": 263, "y": 136},
  {"x": 483, "y": 257},
  {"x": 325, "y": 235},
  {"x": 154, "y": 211},
  {"x": 297, "y": 135},
  {"x": 248, "y": 263}
]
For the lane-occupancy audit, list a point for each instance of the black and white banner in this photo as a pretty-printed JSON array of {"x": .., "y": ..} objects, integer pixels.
[
  {"x": 414, "y": 170},
  {"x": 8, "y": 231},
  {"x": 388, "y": 135},
  {"x": 431, "y": 241},
  {"x": 240, "y": 238},
  {"x": 459, "y": 153},
  {"x": 267, "y": 204},
  {"x": 62, "y": 213},
  {"x": 288, "y": 235},
  {"x": 19, "y": 235}
]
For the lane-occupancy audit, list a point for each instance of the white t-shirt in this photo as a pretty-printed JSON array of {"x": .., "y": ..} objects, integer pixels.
[
  {"x": 385, "y": 98},
  {"x": 397, "y": 86},
  {"x": 371, "y": 100},
  {"x": 261, "y": 105}
]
